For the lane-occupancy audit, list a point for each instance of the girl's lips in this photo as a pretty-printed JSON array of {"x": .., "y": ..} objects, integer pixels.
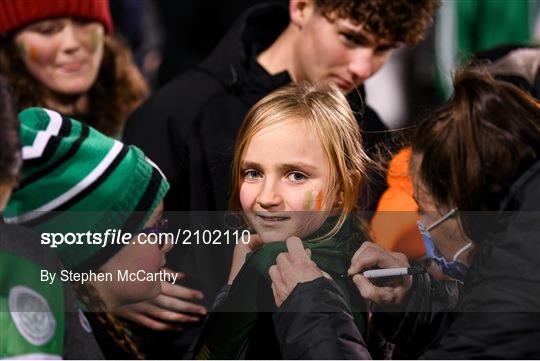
[
  {"x": 72, "y": 67},
  {"x": 272, "y": 219}
]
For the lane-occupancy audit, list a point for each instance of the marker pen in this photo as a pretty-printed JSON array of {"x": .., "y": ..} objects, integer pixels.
[{"x": 393, "y": 272}]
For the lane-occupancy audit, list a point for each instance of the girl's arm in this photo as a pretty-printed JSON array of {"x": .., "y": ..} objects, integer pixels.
[{"x": 315, "y": 322}]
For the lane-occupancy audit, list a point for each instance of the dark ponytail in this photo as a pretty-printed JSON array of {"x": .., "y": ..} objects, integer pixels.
[{"x": 473, "y": 148}]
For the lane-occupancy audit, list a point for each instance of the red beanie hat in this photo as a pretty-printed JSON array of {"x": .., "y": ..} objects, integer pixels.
[{"x": 15, "y": 14}]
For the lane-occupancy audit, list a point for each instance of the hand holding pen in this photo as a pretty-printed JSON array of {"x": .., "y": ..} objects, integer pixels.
[
  {"x": 393, "y": 272},
  {"x": 391, "y": 296},
  {"x": 295, "y": 266}
]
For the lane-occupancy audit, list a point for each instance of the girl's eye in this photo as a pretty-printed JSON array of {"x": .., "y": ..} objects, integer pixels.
[
  {"x": 297, "y": 177},
  {"x": 252, "y": 174}
]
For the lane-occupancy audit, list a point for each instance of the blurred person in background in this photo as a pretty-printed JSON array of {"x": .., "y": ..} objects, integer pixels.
[{"x": 63, "y": 55}]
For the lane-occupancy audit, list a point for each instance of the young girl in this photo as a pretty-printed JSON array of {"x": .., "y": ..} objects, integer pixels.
[
  {"x": 76, "y": 180},
  {"x": 62, "y": 54},
  {"x": 297, "y": 171}
]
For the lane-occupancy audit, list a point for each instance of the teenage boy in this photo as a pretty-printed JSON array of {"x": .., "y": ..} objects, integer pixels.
[{"x": 189, "y": 127}]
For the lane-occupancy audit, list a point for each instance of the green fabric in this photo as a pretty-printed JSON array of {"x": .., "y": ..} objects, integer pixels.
[
  {"x": 90, "y": 181},
  {"x": 68, "y": 174},
  {"x": 465, "y": 28},
  {"x": 243, "y": 328},
  {"x": 34, "y": 333},
  {"x": 40, "y": 120},
  {"x": 483, "y": 24}
]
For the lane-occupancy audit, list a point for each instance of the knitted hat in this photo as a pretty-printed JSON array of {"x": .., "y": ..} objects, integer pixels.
[
  {"x": 15, "y": 14},
  {"x": 75, "y": 179}
]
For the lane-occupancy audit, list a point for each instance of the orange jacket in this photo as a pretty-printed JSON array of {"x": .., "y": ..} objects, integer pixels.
[{"x": 393, "y": 226}]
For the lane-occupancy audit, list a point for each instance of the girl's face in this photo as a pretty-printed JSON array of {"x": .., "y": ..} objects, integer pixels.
[
  {"x": 134, "y": 257},
  {"x": 285, "y": 177},
  {"x": 62, "y": 54}
]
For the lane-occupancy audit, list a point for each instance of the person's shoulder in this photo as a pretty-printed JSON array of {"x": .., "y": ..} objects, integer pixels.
[
  {"x": 183, "y": 97},
  {"x": 11, "y": 234},
  {"x": 191, "y": 83},
  {"x": 25, "y": 243},
  {"x": 524, "y": 193},
  {"x": 367, "y": 117},
  {"x": 371, "y": 121}
]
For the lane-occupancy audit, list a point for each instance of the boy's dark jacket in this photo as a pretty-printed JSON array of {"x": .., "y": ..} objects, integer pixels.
[
  {"x": 189, "y": 127},
  {"x": 241, "y": 326}
]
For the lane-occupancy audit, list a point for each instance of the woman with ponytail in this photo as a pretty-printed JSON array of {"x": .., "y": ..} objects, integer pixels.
[
  {"x": 64, "y": 55},
  {"x": 475, "y": 170}
]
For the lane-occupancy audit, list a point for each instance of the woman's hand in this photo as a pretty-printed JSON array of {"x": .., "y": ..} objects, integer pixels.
[
  {"x": 393, "y": 295},
  {"x": 291, "y": 268},
  {"x": 240, "y": 252}
]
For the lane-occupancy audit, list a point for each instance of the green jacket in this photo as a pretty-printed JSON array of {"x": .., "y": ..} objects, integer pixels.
[
  {"x": 38, "y": 319},
  {"x": 242, "y": 327}
]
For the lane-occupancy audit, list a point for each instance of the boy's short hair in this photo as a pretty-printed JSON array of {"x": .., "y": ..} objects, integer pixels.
[
  {"x": 10, "y": 149},
  {"x": 393, "y": 22}
]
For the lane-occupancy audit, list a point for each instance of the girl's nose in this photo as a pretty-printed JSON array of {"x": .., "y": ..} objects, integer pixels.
[
  {"x": 70, "y": 39},
  {"x": 269, "y": 196}
]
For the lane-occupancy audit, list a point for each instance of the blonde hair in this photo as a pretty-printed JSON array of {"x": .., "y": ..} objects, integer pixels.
[{"x": 325, "y": 111}]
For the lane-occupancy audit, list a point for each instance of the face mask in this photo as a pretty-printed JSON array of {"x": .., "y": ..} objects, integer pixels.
[{"x": 453, "y": 268}]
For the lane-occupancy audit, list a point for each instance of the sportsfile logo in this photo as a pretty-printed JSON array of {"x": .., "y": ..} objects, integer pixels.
[{"x": 118, "y": 237}]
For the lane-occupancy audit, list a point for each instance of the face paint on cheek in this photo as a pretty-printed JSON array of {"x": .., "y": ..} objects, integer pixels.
[
  {"x": 319, "y": 201},
  {"x": 307, "y": 200},
  {"x": 34, "y": 54},
  {"x": 96, "y": 38},
  {"x": 22, "y": 50},
  {"x": 313, "y": 201}
]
